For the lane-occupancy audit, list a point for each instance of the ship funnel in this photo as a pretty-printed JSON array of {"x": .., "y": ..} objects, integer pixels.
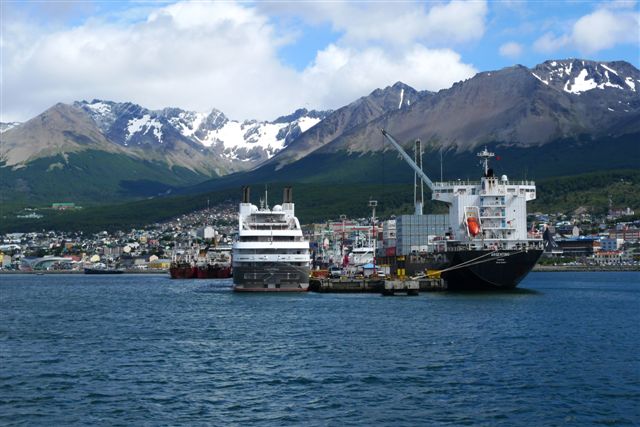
[
  {"x": 246, "y": 194},
  {"x": 287, "y": 196}
]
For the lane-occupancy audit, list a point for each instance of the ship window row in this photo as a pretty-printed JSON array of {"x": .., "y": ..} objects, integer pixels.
[
  {"x": 270, "y": 238},
  {"x": 267, "y": 218},
  {"x": 268, "y": 227},
  {"x": 271, "y": 251},
  {"x": 261, "y": 264}
]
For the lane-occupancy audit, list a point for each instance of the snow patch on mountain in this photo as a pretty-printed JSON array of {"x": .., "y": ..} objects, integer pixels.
[
  {"x": 6, "y": 126},
  {"x": 144, "y": 125},
  {"x": 99, "y": 107},
  {"x": 188, "y": 122},
  {"x": 537, "y": 77},
  {"x": 581, "y": 83},
  {"x": 237, "y": 139},
  {"x": 307, "y": 123},
  {"x": 579, "y": 76},
  {"x": 629, "y": 81},
  {"x": 609, "y": 69},
  {"x": 250, "y": 140}
]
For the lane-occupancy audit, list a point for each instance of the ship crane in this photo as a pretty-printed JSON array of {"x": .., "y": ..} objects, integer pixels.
[{"x": 409, "y": 160}]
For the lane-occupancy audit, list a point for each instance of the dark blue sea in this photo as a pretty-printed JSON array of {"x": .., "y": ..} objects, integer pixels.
[{"x": 136, "y": 350}]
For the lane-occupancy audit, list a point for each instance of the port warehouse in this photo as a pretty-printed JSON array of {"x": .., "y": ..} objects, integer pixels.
[
  {"x": 413, "y": 234},
  {"x": 403, "y": 235}
]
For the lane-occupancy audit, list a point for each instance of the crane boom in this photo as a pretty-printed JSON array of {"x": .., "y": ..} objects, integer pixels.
[{"x": 408, "y": 159}]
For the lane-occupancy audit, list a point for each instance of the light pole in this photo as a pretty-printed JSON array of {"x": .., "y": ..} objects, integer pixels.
[{"x": 373, "y": 204}]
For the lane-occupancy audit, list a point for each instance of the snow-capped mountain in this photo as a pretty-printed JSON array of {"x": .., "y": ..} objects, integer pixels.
[
  {"x": 570, "y": 99},
  {"x": 249, "y": 141},
  {"x": 124, "y": 148},
  {"x": 578, "y": 76},
  {"x": 397, "y": 97},
  {"x": 9, "y": 125}
]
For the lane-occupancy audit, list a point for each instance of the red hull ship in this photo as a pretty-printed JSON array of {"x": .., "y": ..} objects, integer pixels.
[
  {"x": 183, "y": 271},
  {"x": 187, "y": 271},
  {"x": 208, "y": 264},
  {"x": 213, "y": 272}
]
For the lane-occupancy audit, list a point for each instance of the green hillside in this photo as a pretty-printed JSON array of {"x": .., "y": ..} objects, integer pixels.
[
  {"x": 591, "y": 191},
  {"x": 313, "y": 203},
  {"x": 88, "y": 177},
  {"x": 320, "y": 202},
  {"x": 560, "y": 158}
]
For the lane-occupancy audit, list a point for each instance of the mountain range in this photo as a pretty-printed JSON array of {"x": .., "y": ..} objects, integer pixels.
[{"x": 558, "y": 118}]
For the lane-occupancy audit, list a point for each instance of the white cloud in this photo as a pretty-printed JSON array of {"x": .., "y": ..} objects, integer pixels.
[
  {"x": 549, "y": 43},
  {"x": 203, "y": 55},
  {"x": 394, "y": 22},
  {"x": 511, "y": 50},
  {"x": 340, "y": 75},
  {"x": 602, "y": 29}
]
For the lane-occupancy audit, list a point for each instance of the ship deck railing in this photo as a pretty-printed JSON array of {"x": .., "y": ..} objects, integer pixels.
[
  {"x": 449, "y": 184},
  {"x": 490, "y": 244}
]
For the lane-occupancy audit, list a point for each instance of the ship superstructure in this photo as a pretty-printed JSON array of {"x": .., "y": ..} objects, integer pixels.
[
  {"x": 270, "y": 253},
  {"x": 487, "y": 244},
  {"x": 490, "y": 213}
]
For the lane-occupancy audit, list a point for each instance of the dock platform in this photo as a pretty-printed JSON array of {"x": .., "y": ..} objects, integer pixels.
[
  {"x": 409, "y": 287},
  {"x": 346, "y": 285},
  {"x": 384, "y": 286}
]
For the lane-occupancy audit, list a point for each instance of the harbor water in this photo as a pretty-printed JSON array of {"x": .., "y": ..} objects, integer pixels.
[{"x": 562, "y": 349}]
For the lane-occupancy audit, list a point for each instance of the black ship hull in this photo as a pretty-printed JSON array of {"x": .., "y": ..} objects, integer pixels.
[
  {"x": 478, "y": 270},
  {"x": 88, "y": 270},
  {"x": 270, "y": 277},
  {"x": 468, "y": 270}
]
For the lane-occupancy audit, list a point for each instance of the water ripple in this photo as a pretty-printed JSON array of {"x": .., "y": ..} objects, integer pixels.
[{"x": 145, "y": 350}]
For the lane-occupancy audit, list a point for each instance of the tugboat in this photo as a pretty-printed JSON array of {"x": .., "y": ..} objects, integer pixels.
[{"x": 487, "y": 246}]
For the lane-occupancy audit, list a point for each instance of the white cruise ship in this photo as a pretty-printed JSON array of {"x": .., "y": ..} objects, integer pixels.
[{"x": 270, "y": 254}]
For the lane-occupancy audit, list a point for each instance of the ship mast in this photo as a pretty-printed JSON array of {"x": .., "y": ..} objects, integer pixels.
[{"x": 485, "y": 155}]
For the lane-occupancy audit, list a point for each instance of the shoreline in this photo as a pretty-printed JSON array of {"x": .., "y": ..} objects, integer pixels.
[
  {"x": 537, "y": 268},
  {"x": 81, "y": 272},
  {"x": 594, "y": 268}
]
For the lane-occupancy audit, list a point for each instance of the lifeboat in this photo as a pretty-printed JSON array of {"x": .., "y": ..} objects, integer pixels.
[{"x": 473, "y": 226}]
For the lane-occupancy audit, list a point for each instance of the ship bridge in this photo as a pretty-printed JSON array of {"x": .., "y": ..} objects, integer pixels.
[{"x": 445, "y": 191}]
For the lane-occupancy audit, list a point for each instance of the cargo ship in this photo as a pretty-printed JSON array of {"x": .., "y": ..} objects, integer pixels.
[
  {"x": 270, "y": 253},
  {"x": 487, "y": 245}
]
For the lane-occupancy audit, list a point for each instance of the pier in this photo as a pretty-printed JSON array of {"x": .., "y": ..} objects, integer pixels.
[
  {"x": 406, "y": 286},
  {"x": 346, "y": 285},
  {"x": 413, "y": 287}
]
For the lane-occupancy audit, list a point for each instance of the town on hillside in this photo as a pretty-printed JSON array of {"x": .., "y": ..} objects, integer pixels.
[{"x": 582, "y": 241}]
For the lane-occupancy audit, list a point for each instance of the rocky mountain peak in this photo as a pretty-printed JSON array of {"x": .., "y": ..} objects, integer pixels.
[
  {"x": 8, "y": 126},
  {"x": 577, "y": 76},
  {"x": 301, "y": 113}
]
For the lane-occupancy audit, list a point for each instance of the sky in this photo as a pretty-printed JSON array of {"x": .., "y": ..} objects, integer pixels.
[{"x": 263, "y": 59}]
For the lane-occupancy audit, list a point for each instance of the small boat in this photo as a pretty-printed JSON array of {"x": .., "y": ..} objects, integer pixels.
[
  {"x": 89, "y": 270},
  {"x": 101, "y": 268}
]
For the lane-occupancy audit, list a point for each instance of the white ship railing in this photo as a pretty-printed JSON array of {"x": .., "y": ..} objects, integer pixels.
[
  {"x": 270, "y": 258},
  {"x": 449, "y": 184}
]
